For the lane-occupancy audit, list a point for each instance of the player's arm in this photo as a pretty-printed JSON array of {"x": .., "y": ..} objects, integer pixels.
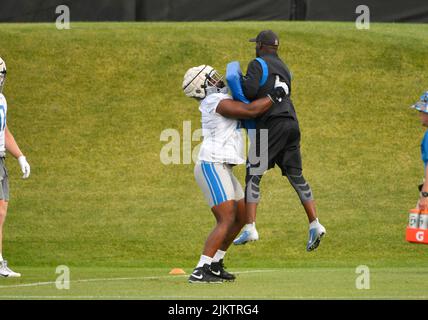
[
  {"x": 11, "y": 144},
  {"x": 237, "y": 109},
  {"x": 250, "y": 82},
  {"x": 15, "y": 151}
]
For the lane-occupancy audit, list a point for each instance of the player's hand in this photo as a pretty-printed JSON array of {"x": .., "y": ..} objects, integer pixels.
[
  {"x": 423, "y": 203},
  {"x": 282, "y": 84},
  {"x": 25, "y": 167}
]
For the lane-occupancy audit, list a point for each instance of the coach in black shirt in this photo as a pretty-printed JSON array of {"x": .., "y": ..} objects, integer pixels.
[{"x": 280, "y": 143}]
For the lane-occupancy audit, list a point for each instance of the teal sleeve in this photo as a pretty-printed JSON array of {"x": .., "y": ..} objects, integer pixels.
[{"x": 424, "y": 148}]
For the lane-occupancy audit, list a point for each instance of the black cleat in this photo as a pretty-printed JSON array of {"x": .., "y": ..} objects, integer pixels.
[
  {"x": 218, "y": 269},
  {"x": 204, "y": 275}
]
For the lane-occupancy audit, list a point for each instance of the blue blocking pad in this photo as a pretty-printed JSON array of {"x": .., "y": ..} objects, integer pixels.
[{"x": 233, "y": 78}]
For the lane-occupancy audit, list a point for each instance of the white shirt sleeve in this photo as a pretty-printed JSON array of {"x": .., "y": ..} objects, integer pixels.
[
  {"x": 2, "y": 99},
  {"x": 210, "y": 103}
]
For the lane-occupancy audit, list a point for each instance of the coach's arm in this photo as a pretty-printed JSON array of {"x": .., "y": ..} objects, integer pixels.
[{"x": 250, "y": 82}]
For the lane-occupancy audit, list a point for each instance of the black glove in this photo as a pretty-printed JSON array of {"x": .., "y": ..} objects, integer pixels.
[{"x": 277, "y": 94}]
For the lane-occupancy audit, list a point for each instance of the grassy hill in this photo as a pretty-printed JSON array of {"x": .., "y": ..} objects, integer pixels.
[{"x": 88, "y": 105}]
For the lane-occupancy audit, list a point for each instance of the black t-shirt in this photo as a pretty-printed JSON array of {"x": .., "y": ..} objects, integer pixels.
[{"x": 253, "y": 91}]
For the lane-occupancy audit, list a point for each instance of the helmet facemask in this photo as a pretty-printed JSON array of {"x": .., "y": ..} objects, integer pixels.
[{"x": 214, "y": 83}]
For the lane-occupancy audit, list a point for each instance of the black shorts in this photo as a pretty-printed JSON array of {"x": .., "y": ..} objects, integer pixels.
[{"x": 281, "y": 149}]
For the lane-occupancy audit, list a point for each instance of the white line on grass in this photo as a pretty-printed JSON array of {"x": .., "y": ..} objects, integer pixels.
[{"x": 48, "y": 283}]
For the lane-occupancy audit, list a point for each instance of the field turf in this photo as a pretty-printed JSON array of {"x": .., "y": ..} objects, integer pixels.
[
  {"x": 88, "y": 106},
  {"x": 253, "y": 284}
]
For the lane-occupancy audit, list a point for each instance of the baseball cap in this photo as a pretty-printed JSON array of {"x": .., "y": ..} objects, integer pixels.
[
  {"x": 267, "y": 37},
  {"x": 422, "y": 104}
]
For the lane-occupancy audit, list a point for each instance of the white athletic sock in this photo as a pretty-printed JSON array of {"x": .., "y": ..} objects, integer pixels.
[
  {"x": 204, "y": 260},
  {"x": 314, "y": 224},
  {"x": 219, "y": 255},
  {"x": 250, "y": 226},
  {"x": 1, "y": 258}
]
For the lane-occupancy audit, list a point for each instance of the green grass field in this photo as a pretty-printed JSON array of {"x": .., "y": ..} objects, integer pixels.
[{"x": 88, "y": 105}]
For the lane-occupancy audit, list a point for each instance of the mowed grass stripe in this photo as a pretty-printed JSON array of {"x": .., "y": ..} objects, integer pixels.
[
  {"x": 400, "y": 283},
  {"x": 36, "y": 284}
]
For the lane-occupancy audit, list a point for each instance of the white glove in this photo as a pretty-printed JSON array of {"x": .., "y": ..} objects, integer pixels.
[
  {"x": 25, "y": 167},
  {"x": 279, "y": 83}
]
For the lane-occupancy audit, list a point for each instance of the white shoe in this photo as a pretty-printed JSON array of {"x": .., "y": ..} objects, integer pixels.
[
  {"x": 6, "y": 272},
  {"x": 247, "y": 235},
  {"x": 315, "y": 236}
]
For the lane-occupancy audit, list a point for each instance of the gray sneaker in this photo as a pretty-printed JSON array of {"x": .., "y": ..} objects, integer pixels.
[{"x": 6, "y": 272}]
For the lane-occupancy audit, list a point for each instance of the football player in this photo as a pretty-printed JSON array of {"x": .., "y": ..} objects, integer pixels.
[
  {"x": 221, "y": 150},
  {"x": 7, "y": 142},
  {"x": 422, "y": 107}
]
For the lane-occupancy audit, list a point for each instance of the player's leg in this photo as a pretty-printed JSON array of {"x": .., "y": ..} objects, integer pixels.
[
  {"x": 252, "y": 187},
  {"x": 3, "y": 213},
  {"x": 217, "y": 266},
  {"x": 316, "y": 229},
  {"x": 225, "y": 212},
  {"x": 220, "y": 239},
  {"x": 5, "y": 271},
  {"x": 225, "y": 218},
  {"x": 291, "y": 166},
  {"x": 214, "y": 180},
  {"x": 257, "y": 164},
  {"x": 235, "y": 228},
  {"x": 251, "y": 208},
  {"x": 240, "y": 213},
  {"x": 252, "y": 198},
  {"x": 261, "y": 157}
]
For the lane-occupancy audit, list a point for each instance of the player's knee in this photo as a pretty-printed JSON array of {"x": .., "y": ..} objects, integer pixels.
[
  {"x": 225, "y": 223},
  {"x": 229, "y": 219},
  {"x": 291, "y": 172},
  {"x": 226, "y": 213}
]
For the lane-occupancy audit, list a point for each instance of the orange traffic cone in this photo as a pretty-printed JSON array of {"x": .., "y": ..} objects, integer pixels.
[{"x": 177, "y": 271}]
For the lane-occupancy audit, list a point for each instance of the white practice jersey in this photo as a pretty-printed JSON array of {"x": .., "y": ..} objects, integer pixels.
[
  {"x": 3, "y": 112},
  {"x": 223, "y": 140}
]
